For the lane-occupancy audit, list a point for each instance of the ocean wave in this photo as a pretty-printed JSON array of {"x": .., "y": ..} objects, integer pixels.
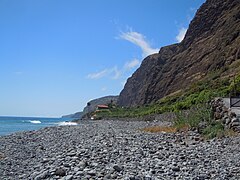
[
  {"x": 66, "y": 123},
  {"x": 35, "y": 121}
]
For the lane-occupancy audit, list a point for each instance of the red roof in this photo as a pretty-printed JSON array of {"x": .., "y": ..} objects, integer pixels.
[{"x": 102, "y": 106}]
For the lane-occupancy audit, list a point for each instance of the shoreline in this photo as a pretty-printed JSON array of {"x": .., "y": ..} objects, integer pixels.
[{"x": 106, "y": 149}]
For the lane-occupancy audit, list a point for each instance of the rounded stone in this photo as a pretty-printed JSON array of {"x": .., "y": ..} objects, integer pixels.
[{"x": 60, "y": 172}]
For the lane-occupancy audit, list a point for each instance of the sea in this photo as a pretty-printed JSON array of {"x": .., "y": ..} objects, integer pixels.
[{"x": 9, "y": 125}]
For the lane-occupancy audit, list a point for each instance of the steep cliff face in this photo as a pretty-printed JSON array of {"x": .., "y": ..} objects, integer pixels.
[{"x": 211, "y": 43}]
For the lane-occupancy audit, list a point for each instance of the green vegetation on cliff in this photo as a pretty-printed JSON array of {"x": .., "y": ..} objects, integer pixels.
[
  {"x": 201, "y": 92},
  {"x": 194, "y": 99}
]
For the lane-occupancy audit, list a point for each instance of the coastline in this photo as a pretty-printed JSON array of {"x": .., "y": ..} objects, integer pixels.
[
  {"x": 12, "y": 124},
  {"x": 116, "y": 150}
]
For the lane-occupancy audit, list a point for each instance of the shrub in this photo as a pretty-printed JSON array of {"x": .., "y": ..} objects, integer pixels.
[
  {"x": 215, "y": 129},
  {"x": 192, "y": 118}
]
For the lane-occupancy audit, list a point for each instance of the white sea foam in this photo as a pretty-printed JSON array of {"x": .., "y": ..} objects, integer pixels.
[
  {"x": 65, "y": 123},
  {"x": 35, "y": 122}
]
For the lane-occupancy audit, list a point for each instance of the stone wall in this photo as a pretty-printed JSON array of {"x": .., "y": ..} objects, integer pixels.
[{"x": 225, "y": 115}]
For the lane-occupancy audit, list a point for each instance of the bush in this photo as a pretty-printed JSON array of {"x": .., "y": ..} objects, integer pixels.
[
  {"x": 192, "y": 117},
  {"x": 215, "y": 129}
]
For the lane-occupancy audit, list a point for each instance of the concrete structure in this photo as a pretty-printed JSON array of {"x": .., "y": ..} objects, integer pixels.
[{"x": 233, "y": 109}]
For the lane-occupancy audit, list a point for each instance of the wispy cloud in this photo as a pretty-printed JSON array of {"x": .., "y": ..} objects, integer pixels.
[
  {"x": 98, "y": 75},
  {"x": 191, "y": 12},
  {"x": 139, "y": 40},
  {"x": 113, "y": 72},
  {"x": 123, "y": 72},
  {"x": 18, "y": 72},
  {"x": 104, "y": 89},
  {"x": 181, "y": 34},
  {"x": 131, "y": 64},
  {"x": 116, "y": 72}
]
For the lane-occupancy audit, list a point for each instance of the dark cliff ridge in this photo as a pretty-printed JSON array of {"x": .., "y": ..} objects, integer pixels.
[
  {"x": 76, "y": 115},
  {"x": 211, "y": 42}
]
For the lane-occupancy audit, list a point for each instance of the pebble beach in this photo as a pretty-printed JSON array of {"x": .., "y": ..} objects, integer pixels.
[{"x": 116, "y": 150}]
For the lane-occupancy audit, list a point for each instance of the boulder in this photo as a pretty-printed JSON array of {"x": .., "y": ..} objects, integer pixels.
[{"x": 60, "y": 172}]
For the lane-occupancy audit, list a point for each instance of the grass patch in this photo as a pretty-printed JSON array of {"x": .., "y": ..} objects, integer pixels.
[
  {"x": 194, "y": 116},
  {"x": 200, "y": 118},
  {"x": 230, "y": 133},
  {"x": 215, "y": 129}
]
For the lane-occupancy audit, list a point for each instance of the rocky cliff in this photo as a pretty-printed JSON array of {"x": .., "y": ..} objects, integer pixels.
[
  {"x": 211, "y": 43},
  {"x": 91, "y": 105}
]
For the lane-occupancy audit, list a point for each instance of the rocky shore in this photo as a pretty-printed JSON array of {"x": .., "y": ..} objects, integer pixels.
[{"x": 116, "y": 150}]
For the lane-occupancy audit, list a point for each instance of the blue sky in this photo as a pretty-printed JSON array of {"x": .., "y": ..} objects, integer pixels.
[{"x": 55, "y": 55}]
